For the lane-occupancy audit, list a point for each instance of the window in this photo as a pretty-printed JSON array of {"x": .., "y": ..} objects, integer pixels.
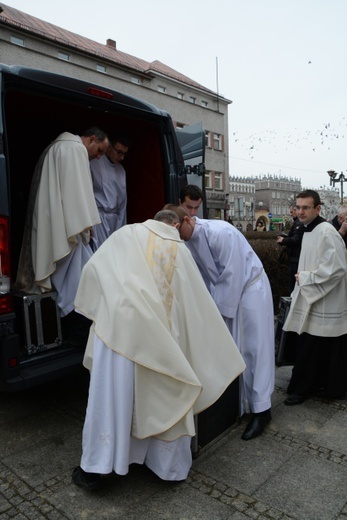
[
  {"x": 63, "y": 56},
  {"x": 218, "y": 181},
  {"x": 180, "y": 95},
  {"x": 204, "y": 103},
  {"x": 101, "y": 68},
  {"x": 217, "y": 141},
  {"x": 135, "y": 79},
  {"x": 192, "y": 99},
  {"x": 17, "y": 41},
  {"x": 207, "y": 139},
  {"x": 208, "y": 183},
  {"x": 161, "y": 89}
]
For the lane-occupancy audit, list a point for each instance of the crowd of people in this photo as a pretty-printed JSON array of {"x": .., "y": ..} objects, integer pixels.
[{"x": 172, "y": 310}]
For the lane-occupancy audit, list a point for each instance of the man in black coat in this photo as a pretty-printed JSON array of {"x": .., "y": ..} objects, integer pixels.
[
  {"x": 293, "y": 243},
  {"x": 340, "y": 222}
]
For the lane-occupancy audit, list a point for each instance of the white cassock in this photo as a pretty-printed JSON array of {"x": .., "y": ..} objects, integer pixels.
[
  {"x": 155, "y": 360},
  {"x": 66, "y": 276},
  {"x": 235, "y": 277},
  {"x": 319, "y": 305},
  {"x": 109, "y": 184},
  {"x": 107, "y": 443}
]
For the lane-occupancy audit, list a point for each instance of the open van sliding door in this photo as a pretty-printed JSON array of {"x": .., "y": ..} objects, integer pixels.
[
  {"x": 218, "y": 418},
  {"x": 192, "y": 142}
]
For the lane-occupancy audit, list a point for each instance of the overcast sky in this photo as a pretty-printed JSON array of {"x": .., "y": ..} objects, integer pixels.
[{"x": 282, "y": 63}]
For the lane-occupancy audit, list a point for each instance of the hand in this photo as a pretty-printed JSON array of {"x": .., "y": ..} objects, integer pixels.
[
  {"x": 297, "y": 278},
  {"x": 279, "y": 240},
  {"x": 343, "y": 228}
]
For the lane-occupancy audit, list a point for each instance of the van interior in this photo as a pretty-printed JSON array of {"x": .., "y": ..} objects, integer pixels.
[{"x": 35, "y": 114}]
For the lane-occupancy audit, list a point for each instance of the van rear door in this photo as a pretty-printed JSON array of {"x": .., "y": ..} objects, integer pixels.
[{"x": 192, "y": 142}]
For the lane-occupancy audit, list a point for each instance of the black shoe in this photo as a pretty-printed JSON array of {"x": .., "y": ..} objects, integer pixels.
[
  {"x": 295, "y": 399},
  {"x": 87, "y": 481},
  {"x": 256, "y": 425}
]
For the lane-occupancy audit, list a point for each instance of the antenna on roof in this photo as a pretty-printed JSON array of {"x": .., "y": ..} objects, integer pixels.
[{"x": 217, "y": 84}]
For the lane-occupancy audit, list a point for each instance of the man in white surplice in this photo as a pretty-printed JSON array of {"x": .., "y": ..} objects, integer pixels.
[
  {"x": 110, "y": 190},
  {"x": 235, "y": 277},
  {"x": 155, "y": 360}
]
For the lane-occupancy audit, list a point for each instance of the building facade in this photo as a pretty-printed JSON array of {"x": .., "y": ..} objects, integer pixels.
[
  {"x": 274, "y": 196},
  {"x": 30, "y": 42},
  {"x": 264, "y": 200},
  {"x": 331, "y": 201}
]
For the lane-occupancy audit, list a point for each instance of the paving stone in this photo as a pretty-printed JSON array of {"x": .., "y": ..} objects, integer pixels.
[{"x": 296, "y": 470}]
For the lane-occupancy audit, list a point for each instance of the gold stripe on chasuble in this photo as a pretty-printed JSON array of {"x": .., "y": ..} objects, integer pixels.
[{"x": 160, "y": 256}]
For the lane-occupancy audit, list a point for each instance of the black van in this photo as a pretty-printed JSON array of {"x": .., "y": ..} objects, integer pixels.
[{"x": 36, "y": 107}]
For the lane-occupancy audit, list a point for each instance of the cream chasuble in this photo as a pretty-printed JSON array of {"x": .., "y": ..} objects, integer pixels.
[{"x": 148, "y": 302}]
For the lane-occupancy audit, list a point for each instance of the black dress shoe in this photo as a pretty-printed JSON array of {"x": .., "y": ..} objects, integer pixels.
[
  {"x": 87, "y": 481},
  {"x": 256, "y": 425},
  {"x": 295, "y": 399}
]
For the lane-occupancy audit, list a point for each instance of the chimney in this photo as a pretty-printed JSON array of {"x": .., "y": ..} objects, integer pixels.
[{"x": 111, "y": 43}]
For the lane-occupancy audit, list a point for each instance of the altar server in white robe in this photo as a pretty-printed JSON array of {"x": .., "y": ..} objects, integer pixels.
[
  {"x": 318, "y": 310},
  {"x": 110, "y": 190},
  {"x": 155, "y": 359},
  {"x": 236, "y": 279}
]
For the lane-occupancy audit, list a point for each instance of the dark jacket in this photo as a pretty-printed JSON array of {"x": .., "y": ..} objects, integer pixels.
[
  {"x": 337, "y": 226},
  {"x": 293, "y": 240}
]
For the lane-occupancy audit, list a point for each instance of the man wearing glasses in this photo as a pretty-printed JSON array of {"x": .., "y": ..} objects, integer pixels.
[
  {"x": 292, "y": 241},
  {"x": 318, "y": 312},
  {"x": 109, "y": 184}
]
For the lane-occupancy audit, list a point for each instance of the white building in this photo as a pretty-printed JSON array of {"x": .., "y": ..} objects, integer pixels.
[
  {"x": 331, "y": 201},
  {"x": 265, "y": 198},
  {"x": 241, "y": 202}
]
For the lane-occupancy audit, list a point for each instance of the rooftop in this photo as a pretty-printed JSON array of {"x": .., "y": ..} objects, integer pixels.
[{"x": 108, "y": 52}]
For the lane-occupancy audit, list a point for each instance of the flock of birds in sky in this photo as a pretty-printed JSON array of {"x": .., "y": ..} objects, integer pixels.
[{"x": 308, "y": 139}]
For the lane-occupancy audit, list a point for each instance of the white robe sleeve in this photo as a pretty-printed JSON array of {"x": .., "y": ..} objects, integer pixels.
[{"x": 227, "y": 252}]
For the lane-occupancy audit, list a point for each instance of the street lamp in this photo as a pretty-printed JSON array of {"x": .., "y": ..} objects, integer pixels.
[{"x": 333, "y": 180}]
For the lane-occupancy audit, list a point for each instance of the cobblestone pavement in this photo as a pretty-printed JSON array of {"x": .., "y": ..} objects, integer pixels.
[{"x": 296, "y": 470}]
